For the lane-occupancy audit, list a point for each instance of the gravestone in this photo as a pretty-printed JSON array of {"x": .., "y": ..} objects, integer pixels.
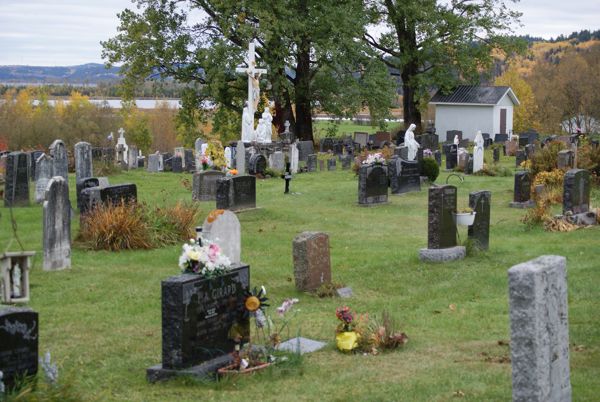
[
  {"x": 228, "y": 158},
  {"x": 539, "y": 330},
  {"x": 404, "y": 176},
  {"x": 294, "y": 157},
  {"x": 57, "y": 225},
  {"x": 132, "y": 156},
  {"x": 83, "y": 161},
  {"x": 311, "y": 163},
  {"x": 346, "y": 162},
  {"x": 576, "y": 191},
  {"x": 43, "y": 174},
  {"x": 257, "y": 164},
  {"x": 177, "y": 164},
  {"x": 327, "y": 144},
  {"x": 16, "y": 186},
  {"x": 240, "y": 158},
  {"x": 114, "y": 195},
  {"x": 154, "y": 163},
  {"x": 236, "y": 193},
  {"x": 305, "y": 148},
  {"x": 331, "y": 164},
  {"x": 496, "y": 152},
  {"x": 479, "y": 231},
  {"x": 381, "y": 138},
  {"x": 361, "y": 138},
  {"x": 321, "y": 165},
  {"x": 521, "y": 157},
  {"x": 500, "y": 138},
  {"x": 450, "y": 151},
  {"x": 189, "y": 163},
  {"x": 529, "y": 151},
  {"x": 428, "y": 141},
  {"x": 402, "y": 152},
  {"x": 450, "y": 134},
  {"x": 204, "y": 185},
  {"x": 566, "y": 159},
  {"x": 33, "y": 157},
  {"x": 18, "y": 344},
  {"x": 470, "y": 164},
  {"x": 199, "y": 319},
  {"x": 277, "y": 161},
  {"x": 60, "y": 163},
  {"x": 80, "y": 186},
  {"x": 312, "y": 263},
  {"x": 338, "y": 147},
  {"x": 522, "y": 191},
  {"x": 463, "y": 160},
  {"x": 438, "y": 157},
  {"x": 441, "y": 231},
  {"x": 88, "y": 200},
  {"x": 167, "y": 159},
  {"x": 140, "y": 162},
  {"x": 223, "y": 228},
  {"x": 373, "y": 184}
]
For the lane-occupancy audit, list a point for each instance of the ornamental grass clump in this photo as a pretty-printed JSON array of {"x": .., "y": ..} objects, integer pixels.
[{"x": 174, "y": 224}]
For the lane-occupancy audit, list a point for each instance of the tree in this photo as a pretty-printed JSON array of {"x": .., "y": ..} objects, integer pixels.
[
  {"x": 434, "y": 44},
  {"x": 309, "y": 48},
  {"x": 525, "y": 114},
  {"x": 136, "y": 127}
]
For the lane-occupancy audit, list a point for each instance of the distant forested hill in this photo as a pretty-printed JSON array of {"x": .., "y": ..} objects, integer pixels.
[{"x": 91, "y": 73}]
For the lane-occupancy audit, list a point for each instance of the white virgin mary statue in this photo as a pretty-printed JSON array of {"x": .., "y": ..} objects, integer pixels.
[
  {"x": 247, "y": 125},
  {"x": 411, "y": 143}
]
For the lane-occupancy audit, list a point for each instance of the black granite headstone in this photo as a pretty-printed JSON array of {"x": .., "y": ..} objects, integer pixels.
[
  {"x": 576, "y": 193},
  {"x": 120, "y": 193},
  {"x": 373, "y": 184},
  {"x": 451, "y": 151},
  {"x": 520, "y": 157},
  {"x": 167, "y": 162},
  {"x": 326, "y": 144},
  {"x": 204, "y": 185},
  {"x": 479, "y": 231},
  {"x": 404, "y": 176},
  {"x": 236, "y": 193},
  {"x": 190, "y": 162},
  {"x": 80, "y": 186},
  {"x": 496, "y": 155},
  {"x": 140, "y": 162},
  {"x": 500, "y": 138},
  {"x": 16, "y": 186},
  {"x": 18, "y": 344},
  {"x": 305, "y": 148},
  {"x": 89, "y": 199},
  {"x": 441, "y": 231},
  {"x": 522, "y": 189},
  {"x": 176, "y": 163},
  {"x": 450, "y": 134},
  {"x": 331, "y": 164}
]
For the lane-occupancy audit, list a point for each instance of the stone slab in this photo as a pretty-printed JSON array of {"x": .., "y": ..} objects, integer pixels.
[
  {"x": 442, "y": 254},
  {"x": 206, "y": 370},
  {"x": 301, "y": 345}
]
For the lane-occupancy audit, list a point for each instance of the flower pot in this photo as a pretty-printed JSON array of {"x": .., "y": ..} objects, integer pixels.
[
  {"x": 464, "y": 218},
  {"x": 234, "y": 370},
  {"x": 346, "y": 341}
]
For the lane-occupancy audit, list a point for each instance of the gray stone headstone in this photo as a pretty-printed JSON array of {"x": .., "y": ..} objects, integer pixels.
[
  {"x": 82, "y": 184},
  {"x": 223, "y": 228},
  {"x": 89, "y": 198},
  {"x": 57, "y": 225},
  {"x": 33, "y": 157},
  {"x": 539, "y": 327},
  {"x": 240, "y": 158},
  {"x": 450, "y": 134},
  {"x": 373, "y": 184},
  {"x": 132, "y": 156},
  {"x": 576, "y": 191},
  {"x": 312, "y": 263},
  {"x": 154, "y": 163},
  {"x": 204, "y": 185},
  {"x": 479, "y": 231},
  {"x": 188, "y": 160},
  {"x": 346, "y": 162},
  {"x": 305, "y": 148},
  {"x": 565, "y": 159},
  {"x": 331, "y": 164},
  {"x": 16, "y": 186},
  {"x": 441, "y": 232},
  {"x": 236, "y": 193},
  {"x": 301, "y": 345},
  {"x": 361, "y": 138},
  {"x": 311, "y": 163},
  {"x": 19, "y": 329},
  {"x": 43, "y": 174},
  {"x": 58, "y": 152},
  {"x": 277, "y": 161},
  {"x": 83, "y": 161}
]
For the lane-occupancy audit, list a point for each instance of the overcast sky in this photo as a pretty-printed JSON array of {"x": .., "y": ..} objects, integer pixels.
[{"x": 68, "y": 32}]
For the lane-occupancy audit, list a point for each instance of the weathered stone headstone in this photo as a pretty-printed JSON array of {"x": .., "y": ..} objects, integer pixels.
[
  {"x": 177, "y": 164},
  {"x": 277, "y": 161},
  {"x": 576, "y": 191},
  {"x": 132, "y": 157},
  {"x": 346, "y": 162},
  {"x": 463, "y": 160},
  {"x": 223, "y": 228},
  {"x": 18, "y": 344},
  {"x": 240, "y": 158},
  {"x": 305, "y": 148},
  {"x": 311, "y": 163},
  {"x": 114, "y": 195},
  {"x": 522, "y": 191},
  {"x": 539, "y": 327},
  {"x": 16, "y": 186},
  {"x": 199, "y": 319},
  {"x": 312, "y": 263},
  {"x": 80, "y": 186},
  {"x": 43, "y": 174},
  {"x": 236, "y": 193},
  {"x": 360, "y": 138},
  {"x": 294, "y": 155},
  {"x": 566, "y": 158},
  {"x": 167, "y": 159},
  {"x": 57, "y": 225},
  {"x": 33, "y": 157},
  {"x": 60, "y": 162},
  {"x": 404, "y": 176},
  {"x": 89, "y": 198},
  {"x": 496, "y": 152},
  {"x": 479, "y": 231},
  {"x": 373, "y": 184},
  {"x": 321, "y": 165},
  {"x": 521, "y": 157},
  {"x": 154, "y": 163},
  {"x": 83, "y": 161},
  {"x": 331, "y": 164},
  {"x": 204, "y": 185},
  {"x": 188, "y": 160},
  {"x": 257, "y": 164}
]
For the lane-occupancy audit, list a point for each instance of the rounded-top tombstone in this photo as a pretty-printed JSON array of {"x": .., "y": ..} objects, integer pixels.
[
  {"x": 257, "y": 165},
  {"x": 222, "y": 227}
]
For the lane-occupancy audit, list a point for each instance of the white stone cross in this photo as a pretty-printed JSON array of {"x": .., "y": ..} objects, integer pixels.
[{"x": 253, "y": 76}]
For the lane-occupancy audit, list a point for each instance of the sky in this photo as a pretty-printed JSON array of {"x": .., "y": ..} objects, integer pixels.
[{"x": 68, "y": 32}]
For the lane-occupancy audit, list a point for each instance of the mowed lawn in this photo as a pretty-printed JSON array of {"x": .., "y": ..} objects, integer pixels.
[{"x": 101, "y": 320}]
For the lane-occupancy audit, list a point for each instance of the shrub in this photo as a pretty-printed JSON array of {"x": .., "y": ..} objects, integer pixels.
[
  {"x": 173, "y": 224},
  {"x": 430, "y": 169},
  {"x": 493, "y": 170},
  {"x": 546, "y": 159},
  {"x": 588, "y": 157}
]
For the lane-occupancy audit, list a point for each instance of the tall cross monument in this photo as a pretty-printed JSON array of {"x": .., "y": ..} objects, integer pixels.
[{"x": 253, "y": 80}]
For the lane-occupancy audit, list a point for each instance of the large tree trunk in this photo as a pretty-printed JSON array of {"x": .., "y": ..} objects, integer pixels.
[
  {"x": 412, "y": 114},
  {"x": 304, "y": 129}
]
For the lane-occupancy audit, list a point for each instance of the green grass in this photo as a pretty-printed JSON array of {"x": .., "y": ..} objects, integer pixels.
[
  {"x": 102, "y": 319},
  {"x": 320, "y": 128}
]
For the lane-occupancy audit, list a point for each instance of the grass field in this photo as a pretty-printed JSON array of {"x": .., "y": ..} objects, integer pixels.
[
  {"x": 102, "y": 319},
  {"x": 320, "y": 128}
]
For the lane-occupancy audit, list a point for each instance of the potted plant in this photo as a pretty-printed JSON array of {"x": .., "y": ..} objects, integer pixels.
[
  {"x": 464, "y": 216},
  {"x": 346, "y": 337}
]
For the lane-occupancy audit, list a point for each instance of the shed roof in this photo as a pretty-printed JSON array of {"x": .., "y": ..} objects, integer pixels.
[{"x": 475, "y": 95}]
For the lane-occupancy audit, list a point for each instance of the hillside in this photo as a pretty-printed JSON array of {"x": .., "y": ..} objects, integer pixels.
[{"x": 91, "y": 73}]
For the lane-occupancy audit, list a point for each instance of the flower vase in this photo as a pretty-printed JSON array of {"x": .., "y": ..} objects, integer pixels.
[
  {"x": 347, "y": 341},
  {"x": 464, "y": 218}
]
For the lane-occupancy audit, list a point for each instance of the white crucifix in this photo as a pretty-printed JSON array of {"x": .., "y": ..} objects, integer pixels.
[{"x": 253, "y": 89}]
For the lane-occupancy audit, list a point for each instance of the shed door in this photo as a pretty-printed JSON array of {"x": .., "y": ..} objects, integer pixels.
[{"x": 502, "y": 121}]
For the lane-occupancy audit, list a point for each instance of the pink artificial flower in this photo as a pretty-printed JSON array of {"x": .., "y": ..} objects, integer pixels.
[
  {"x": 213, "y": 251},
  {"x": 286, "y": 306}
]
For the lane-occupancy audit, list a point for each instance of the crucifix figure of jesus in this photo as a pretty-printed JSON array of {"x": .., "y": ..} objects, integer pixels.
[{"x": 253, "y": 92}]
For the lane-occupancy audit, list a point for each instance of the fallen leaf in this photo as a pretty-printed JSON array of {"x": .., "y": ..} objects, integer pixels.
[
  {"x": 458, "y": 394},
  {"x": 452, "y": 307}
]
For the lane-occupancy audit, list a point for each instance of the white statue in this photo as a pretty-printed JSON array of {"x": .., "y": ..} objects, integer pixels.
[
  {"x": 478, "y": 152},
  {"x": 228, "y": 157},
  {"x": 411, "y": 143},
  {"x": 456, "y": 140},
  {"x": 265, "y": 135},
  {"x": 16, "y": 281},
  {"x": 247, "y": 125},
  {"x": 259, "y": 132}
]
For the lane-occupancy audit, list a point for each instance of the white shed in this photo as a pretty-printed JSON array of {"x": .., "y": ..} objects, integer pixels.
[{"x": 472, "y": 108}]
